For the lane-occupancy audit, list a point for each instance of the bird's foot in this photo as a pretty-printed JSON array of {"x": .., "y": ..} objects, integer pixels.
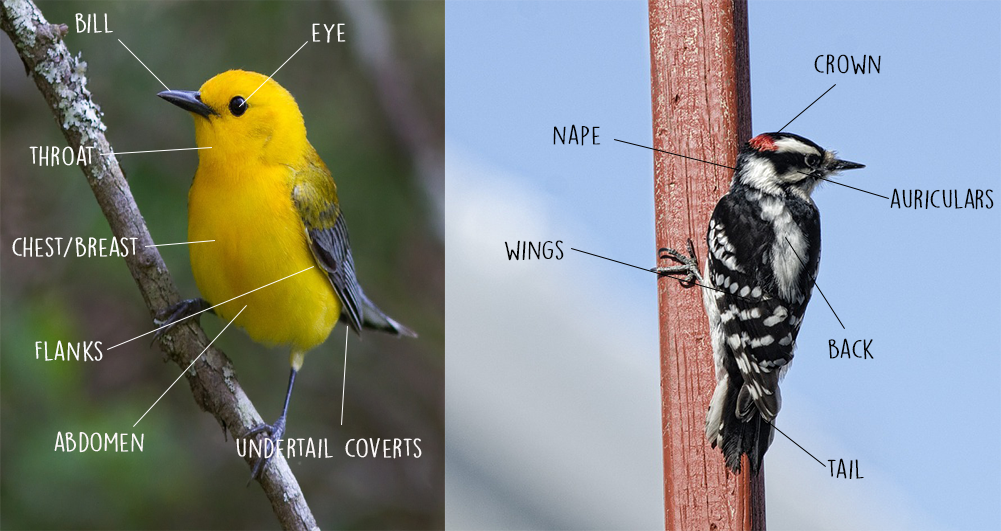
[
  {"x": 275, "y": 432},
  {"x": 689, "y": 265},
  {"x": 166, "y": 319}
]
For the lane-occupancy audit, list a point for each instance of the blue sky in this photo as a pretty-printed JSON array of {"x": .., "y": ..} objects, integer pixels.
[{"x": 923, "y": 417}]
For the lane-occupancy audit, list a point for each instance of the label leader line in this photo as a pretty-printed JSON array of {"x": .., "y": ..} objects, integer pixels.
[
  {"x": 807, "y": 107},
  {"x": 113, "y": 152},
  {"x": 210, "y": 307},
  {"x": 275, "y": 72},
  {"x": 732, "y": 168},
  {"x": 192, "y": 362},
  {"x": 796, "y": 443},
  {"x": 654, "y": 270},
  {"x": 344, "y": 382},
  {"x": 144, "y": 65},
  {"x": 638, "y": 267},
  {"x": 817, "y": 286},
  {"x": 178, "y": 243}
]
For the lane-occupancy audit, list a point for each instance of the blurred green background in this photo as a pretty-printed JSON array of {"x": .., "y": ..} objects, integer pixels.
[{"x": 374, "y": 109}]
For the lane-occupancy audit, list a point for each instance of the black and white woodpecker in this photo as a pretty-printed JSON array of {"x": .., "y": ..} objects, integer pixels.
[{"x": 764, "y": 254}]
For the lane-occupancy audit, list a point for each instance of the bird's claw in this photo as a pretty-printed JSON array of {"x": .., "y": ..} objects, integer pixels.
[
  {"x": 689, "y": 265},
  {"x": 275, "y": 432},
  {"x": 167, "y": 318}
]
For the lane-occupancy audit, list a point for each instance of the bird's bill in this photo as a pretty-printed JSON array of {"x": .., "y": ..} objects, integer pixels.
[
  {"x": 188, "y": 100},
  {"x": 839, "y": 165}
]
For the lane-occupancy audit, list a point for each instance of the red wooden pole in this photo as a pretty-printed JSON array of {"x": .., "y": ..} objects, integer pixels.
[{"x": 702, "y": 109}]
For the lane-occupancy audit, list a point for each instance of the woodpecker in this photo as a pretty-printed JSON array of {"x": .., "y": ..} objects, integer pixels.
[{"x": 764, "y": 254}]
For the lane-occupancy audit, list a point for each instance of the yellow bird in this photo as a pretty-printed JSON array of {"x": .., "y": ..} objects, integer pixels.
[{"x": 269, "y": 202}]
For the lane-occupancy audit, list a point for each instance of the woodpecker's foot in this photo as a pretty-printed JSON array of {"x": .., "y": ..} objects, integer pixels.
[
  {"x": 275, "y": 432},
  {"x": 178, "y": 312},
  {"x": 689, "y": 265}
]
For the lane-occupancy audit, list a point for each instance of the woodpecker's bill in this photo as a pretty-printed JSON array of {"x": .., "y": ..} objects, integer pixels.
[{"x": 764, "y": 253}]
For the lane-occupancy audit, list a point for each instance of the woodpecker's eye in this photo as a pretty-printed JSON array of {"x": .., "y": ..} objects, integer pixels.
[
  {"x": 811, "y": 160},
  {"x": 237, "y": 106}
]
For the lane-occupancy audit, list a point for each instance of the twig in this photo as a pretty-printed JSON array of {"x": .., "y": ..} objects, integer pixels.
[{"x": 62, "y": 80}]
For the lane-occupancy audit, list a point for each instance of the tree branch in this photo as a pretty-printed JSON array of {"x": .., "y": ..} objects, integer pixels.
[{"x": 62, "y": 80}]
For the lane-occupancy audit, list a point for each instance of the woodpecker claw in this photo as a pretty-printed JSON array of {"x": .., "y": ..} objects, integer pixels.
[{"x": 689, "y": 265}]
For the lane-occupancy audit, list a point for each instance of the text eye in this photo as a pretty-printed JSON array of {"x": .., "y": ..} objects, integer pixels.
[{"x": 238, "y": 106}]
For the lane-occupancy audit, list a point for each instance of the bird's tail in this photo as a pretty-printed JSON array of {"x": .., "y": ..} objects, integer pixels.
[
  {"x": 737, "y": 432},
  {"x": 375, "y": 319}
]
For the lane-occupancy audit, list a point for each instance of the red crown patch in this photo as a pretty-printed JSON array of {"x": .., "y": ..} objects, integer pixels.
[{"x": 763, "y": 142}]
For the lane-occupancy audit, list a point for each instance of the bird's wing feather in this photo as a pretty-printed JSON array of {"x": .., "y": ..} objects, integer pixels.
[
  {"x": 315, "y": 196},
  {"x": 758, "y": 326}
]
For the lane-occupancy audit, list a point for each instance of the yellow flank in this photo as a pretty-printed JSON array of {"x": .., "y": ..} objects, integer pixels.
[{"x": 241, "y": 197}]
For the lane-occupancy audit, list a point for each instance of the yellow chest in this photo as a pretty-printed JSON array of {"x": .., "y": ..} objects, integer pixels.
[{"x": 259, "y": 239}]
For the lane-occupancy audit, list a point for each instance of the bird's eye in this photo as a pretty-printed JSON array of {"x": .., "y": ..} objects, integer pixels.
[
  {"x": 811, "y": 160},
  {"x": 237, "y": 106}
]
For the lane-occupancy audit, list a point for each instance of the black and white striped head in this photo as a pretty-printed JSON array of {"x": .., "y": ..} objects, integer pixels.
[{"x": 784, "y": 163}]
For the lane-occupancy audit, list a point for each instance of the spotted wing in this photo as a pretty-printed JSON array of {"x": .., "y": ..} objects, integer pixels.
[
  {"x": 315, "y": 197},
  {"x": 758, "y": 327}
]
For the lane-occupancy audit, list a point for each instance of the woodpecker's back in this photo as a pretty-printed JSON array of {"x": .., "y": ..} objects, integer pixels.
[{"x": 764, "y": 255}]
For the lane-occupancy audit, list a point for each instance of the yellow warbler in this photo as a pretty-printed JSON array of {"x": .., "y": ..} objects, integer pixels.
[{"x": 269, "y": 202}]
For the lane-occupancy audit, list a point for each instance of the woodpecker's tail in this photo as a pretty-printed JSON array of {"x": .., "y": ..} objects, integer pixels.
[{"x": 737, "y": 432}]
